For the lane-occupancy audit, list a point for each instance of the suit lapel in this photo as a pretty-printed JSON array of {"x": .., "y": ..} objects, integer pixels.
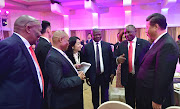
[
  {"x": 65, "y": 60},
  {"x": 126, "y": 49},
  {"x": 137, "y": 49},
  {"x": 102, "y": 48},
  {"x": 28, "y": 57},
  {"x": 92, "y": 49},
  {"x": 153, "y": 47},
  {"x": 45, "y": 41}
]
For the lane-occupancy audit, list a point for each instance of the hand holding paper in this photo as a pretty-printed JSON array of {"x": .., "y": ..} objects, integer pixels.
[{"x": 84, "y": 67}]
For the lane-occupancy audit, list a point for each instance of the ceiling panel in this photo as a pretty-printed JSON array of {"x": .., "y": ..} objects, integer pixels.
[{"x": 44, "y": 5}]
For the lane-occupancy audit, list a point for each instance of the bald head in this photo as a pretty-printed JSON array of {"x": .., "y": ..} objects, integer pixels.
[
  {"x": 58, "y": 34},
  {"x": 28, "y": 27},
  {"x": 24, "y": 20},
  {"x": 60, "y": 40}
]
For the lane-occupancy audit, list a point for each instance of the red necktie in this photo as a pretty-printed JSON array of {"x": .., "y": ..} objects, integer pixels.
[
  {"x": 34, "y": 57},
  {"x": 130, "y": 51}
]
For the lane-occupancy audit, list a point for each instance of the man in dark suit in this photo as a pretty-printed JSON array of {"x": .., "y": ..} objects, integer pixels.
[
  {"x": 21, "y": 82},
  {"x": 178, "y": 43},
  {"x": 131, "y": 53},
  {"x": 42, "y": 48},
  {"x": 65, "y": 82},
  {"x": 155, "y": 76},
  {"x": 102, "y": 70}
]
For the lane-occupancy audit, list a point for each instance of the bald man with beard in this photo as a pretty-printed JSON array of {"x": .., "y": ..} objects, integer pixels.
[
  {"x": 21, "y": 84},
  {"x": 65, "y": 82}
]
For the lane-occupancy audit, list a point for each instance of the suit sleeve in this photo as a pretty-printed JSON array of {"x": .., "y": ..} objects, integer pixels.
[
  {"x": 84, "y": 55},
  {"x": 55, "y": 73},
  {"x": 6, "y": 59},
  {"x": 166, "y": 60},
  {"x": 117, "y": 51},
  {"x": 113, "y": 61}
]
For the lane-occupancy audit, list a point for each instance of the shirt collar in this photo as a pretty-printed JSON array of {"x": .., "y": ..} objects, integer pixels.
[
  {"x": 159, "y": 37},
  {"x": 27, "y": 44},
  {"x": 59, "y": 50},
  {"x": 45, "y": 38},
  {"x": 76, "y": 54},
  {"x": 96, "y": 42}
]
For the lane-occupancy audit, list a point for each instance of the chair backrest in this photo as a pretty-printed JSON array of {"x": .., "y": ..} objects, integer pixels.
[
  {"x": 173, "y": 107},
  {"x": 114, "y": 105}
]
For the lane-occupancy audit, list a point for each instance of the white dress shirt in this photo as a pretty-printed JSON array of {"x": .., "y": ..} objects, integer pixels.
[
  {"x": 37, "y": 67},
  {"x": 76, "y": 57},
  {"x": 133, "y": 55},
  {"x": 64, "y": 54},
  {"x": 100, "y": 55}
]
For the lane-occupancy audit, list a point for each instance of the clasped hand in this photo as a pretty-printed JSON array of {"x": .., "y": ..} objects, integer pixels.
[{"x": 81, "y": 75}]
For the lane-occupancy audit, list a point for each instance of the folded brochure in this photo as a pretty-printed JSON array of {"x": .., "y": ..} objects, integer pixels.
[{"x": 84, "y": 67}]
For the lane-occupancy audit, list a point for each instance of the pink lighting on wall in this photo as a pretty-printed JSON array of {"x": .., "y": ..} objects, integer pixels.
[
  {"x": 127, "y": 12},
  {"x": 95, "y": 20},
  {"x": 66, "y": 24},
  {"x": 95, "y": 14},
  {"x": 96, "y": 26},
  {"x": 66, "y": 21},
  {"x": 65, "y": 16},
  {"x": 128, "y": 18},
  {"x": 127, "y": 2},
  {"x": 0, "y": 11},
  {"x": 67, "y": 31},
  {"x": 164, "y": 10}
]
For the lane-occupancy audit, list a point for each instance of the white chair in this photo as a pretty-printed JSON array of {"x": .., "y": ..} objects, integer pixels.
[
  {"x": 114, "y": 105},
  {"x": 173, "y": 107}
]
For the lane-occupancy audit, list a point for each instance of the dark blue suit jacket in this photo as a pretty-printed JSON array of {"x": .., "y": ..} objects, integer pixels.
[
  {"x": 19, "y": 85},
  {"x": 142, "y": 46},
  {"x": 41, "y": 51},
  {"x": 157, "y": 70},
  {"x": 108, "y": 60},
  {"x": 65, "y": 85}
]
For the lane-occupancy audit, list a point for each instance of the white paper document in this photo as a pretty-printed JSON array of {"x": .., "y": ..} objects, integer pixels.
[{"x": 84, "y": 67}]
